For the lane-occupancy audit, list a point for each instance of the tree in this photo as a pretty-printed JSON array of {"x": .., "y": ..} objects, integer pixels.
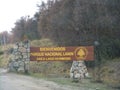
[
  {"x": 4, "y": 38},
  {"x": 81, "y": 22},
  {"x": 26, "y": 27}
]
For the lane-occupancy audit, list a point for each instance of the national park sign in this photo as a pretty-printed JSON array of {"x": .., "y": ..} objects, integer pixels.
[{"x": 62, "y": 53}]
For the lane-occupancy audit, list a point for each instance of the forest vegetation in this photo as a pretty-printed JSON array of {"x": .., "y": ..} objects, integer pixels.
[{"x": 74, "y": 23}]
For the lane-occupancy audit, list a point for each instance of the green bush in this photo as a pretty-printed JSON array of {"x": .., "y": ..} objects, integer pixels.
[
  {"x": 110, "y": 48},
  {"x": 110, "y": 73},
  {"x": 1, "y": 52}
]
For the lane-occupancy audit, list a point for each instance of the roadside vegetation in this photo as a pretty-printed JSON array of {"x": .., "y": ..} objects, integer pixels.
[{"x": 87, "y": 84}]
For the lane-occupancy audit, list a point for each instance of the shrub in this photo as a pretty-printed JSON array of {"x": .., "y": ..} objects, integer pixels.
[{"x": 1, "y": 52}]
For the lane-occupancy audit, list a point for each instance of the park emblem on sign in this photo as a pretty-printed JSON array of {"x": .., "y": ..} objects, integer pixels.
[
  {"x": 81, "y": 53},
  {"x": 61, "y": 53}
]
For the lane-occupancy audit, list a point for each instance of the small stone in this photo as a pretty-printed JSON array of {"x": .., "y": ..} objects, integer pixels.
[{"x": 21, "y": 49}]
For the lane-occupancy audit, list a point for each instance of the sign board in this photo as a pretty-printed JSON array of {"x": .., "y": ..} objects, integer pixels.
[{"x": 62, "y": 53}]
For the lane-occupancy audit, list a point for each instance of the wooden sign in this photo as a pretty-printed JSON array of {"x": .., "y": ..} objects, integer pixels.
[{"x": 62, "y": 53}]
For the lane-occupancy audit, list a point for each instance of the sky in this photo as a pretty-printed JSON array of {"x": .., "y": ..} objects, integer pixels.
[{"x": 12, "y": 10}]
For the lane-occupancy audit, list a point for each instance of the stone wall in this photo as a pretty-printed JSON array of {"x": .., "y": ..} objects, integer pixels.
[
  {"x": 78, "y": 70},
  {"x": 20, "y": 58}
]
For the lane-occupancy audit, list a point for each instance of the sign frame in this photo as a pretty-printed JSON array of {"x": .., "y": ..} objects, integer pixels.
[{"x": 75, "y": 53}]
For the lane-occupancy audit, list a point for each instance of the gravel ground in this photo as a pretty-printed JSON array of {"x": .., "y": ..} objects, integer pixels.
[{"x": 10, "y": 81}]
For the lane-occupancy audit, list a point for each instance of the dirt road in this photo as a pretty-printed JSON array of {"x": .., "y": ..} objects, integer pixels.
[{"x": 10, "y": 81}]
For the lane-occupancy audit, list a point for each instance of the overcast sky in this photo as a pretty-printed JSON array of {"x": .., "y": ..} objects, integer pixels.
[{"x": 12, "y": 10}]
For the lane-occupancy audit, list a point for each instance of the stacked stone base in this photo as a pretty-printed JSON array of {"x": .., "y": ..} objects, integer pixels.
[
  {"x": 19, "y": 60},
  {"x": 78, "y": 71}
]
